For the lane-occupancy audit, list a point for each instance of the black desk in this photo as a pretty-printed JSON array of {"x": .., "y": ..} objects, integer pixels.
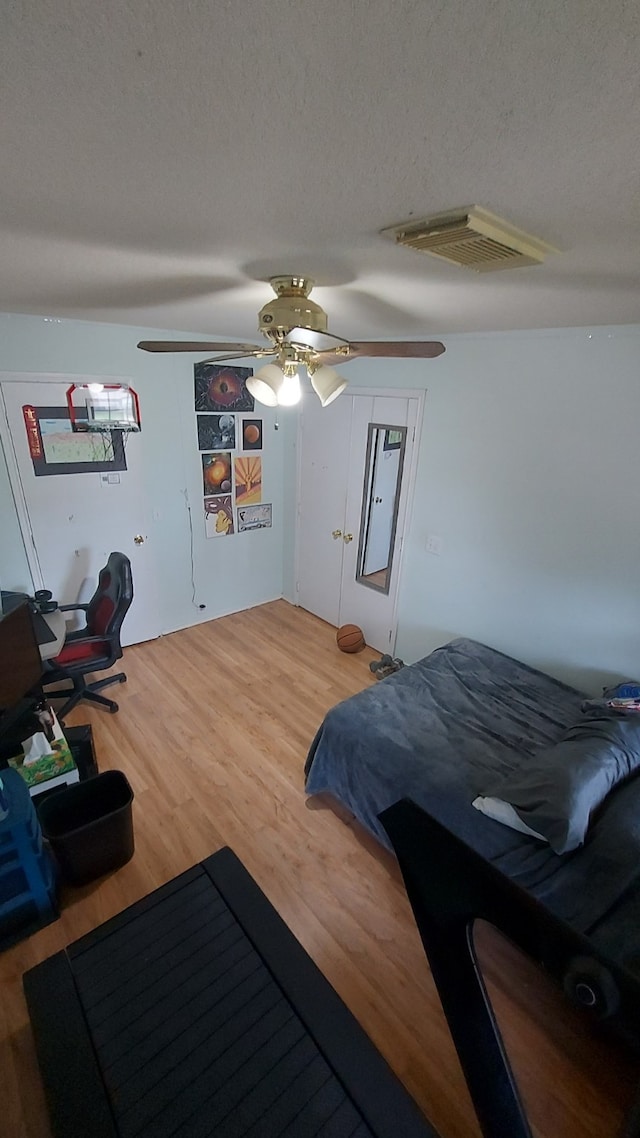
[{"x": 50, "y": 628}]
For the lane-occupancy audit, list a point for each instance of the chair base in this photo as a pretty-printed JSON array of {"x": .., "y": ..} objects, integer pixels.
[{"x": 81, "y": 690}]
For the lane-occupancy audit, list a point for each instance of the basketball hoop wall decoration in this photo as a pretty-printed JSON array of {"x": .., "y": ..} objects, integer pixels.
[{"x": 99, "y": 407}]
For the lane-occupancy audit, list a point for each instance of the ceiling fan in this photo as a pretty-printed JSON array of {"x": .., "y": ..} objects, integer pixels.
[{"x": 295, "y": 327}]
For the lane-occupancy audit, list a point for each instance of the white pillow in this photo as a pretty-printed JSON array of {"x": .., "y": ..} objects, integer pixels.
[{"x": 503, "y": 812}]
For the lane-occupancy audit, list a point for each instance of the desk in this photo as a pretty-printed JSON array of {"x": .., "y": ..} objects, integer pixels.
[
  {"x": 54, "y": 620},
  {"x": 58, "y": 627}
]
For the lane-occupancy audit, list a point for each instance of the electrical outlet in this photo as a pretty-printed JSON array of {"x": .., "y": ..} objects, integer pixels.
[{"x": 434, "y": 544}]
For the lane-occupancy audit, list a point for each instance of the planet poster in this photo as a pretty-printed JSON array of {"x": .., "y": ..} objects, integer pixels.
[
  {"x": 219, "y": 387},
  {"x": 248, "y": 472},
  {"x": 216, "y": 473},
  {"x": 251, "y": 434},
  {"x": 216, "y": 432},
  {"x": 218, "y": 516}
]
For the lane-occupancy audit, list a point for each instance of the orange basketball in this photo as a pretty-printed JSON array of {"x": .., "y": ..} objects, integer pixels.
[{"x": 350, "y": 638}]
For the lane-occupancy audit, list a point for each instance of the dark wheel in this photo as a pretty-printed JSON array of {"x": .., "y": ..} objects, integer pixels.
[{"x": 589, "y": 984}]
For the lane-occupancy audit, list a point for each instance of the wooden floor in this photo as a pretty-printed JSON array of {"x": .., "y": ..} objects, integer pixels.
[{"x": 213, "y": 729}]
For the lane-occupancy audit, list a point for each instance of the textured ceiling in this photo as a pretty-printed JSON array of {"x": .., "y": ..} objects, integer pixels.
[{"x": 160, "y": 159}]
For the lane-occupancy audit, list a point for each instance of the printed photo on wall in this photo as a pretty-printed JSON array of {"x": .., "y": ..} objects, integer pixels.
[
  {"x": 218, "y": 516},
  {"x": 254, "y": 517},
  {"x": 248, "y": 471},
  {"x": 252, "y": 434},
  {"x": 219, "y": 387},
  {"x": 216, "y": 473},
  {"x": 55, "y": 447},
  {"x": 216, "y": 432}
]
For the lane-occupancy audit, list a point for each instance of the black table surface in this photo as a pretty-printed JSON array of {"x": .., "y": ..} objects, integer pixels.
[{"x": 196, "y": 1012}]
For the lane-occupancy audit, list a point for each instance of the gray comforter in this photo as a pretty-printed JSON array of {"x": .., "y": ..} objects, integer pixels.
[{"x": 438, "y": 732}]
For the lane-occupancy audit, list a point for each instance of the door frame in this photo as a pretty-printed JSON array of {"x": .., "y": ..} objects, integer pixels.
[
  {"x": 13, "y": 470},
  {"x": 409, "y": 473}
]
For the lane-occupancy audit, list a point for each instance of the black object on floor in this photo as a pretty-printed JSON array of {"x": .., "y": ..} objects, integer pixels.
[
  {"x": 196, "y": 1012},
  {"x": 385, "y": 666},
  {"x": 80, "y": 740},
  {"x": 89, "y": 826},
  {"x": 446, "y": 904}
]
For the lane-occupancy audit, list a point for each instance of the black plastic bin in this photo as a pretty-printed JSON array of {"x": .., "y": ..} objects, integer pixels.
[{"x": 90, "y": 826}]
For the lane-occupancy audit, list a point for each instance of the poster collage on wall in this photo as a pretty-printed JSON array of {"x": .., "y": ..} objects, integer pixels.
[{"x": 230, "y": 446}]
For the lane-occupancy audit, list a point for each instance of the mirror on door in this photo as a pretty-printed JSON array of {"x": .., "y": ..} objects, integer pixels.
[{"x": 382, "y": 482}]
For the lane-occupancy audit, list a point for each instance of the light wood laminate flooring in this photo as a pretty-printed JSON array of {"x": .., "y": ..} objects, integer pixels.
[{"x": 213, "y": 729}]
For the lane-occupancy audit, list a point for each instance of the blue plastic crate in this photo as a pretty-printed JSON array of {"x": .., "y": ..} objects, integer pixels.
[{"x": 27, "y": 874}]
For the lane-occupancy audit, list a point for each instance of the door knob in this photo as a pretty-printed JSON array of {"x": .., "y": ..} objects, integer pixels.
[
  {"x": 347, "y": 537},
  {"x": 336, "y": 534},
  {"x": 138, "y": 539}
]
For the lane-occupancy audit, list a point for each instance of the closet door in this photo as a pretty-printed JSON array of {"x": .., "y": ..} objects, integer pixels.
[
  {"x": 357, "y": 464},
  {"x": 324, "y": 462},
  {"x": 378, "y": 484}
]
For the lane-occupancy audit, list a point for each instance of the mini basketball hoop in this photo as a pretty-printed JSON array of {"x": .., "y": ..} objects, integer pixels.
[{"x": 103, "y": 407}]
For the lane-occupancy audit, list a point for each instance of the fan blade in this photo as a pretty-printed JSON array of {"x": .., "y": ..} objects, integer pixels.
[
  {"x": 195, "y": 346},
  {"x": 319, "y": 341},
  {"x": 384, "y": 349},
  {"x": 257, "y": 353}
]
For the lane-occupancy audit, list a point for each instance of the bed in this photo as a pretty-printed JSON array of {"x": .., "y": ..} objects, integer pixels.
[{"x": 437, "y": 731}]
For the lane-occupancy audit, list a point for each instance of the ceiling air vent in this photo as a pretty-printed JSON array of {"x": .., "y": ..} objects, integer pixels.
[{"x": 472, "y": 238}]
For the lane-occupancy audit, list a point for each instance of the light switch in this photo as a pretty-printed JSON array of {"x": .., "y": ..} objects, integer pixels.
[{"x": 434, "y": 544}]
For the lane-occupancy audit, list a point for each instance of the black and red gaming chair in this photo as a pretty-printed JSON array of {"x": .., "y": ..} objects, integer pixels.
[{"x": 96, "y": 646}]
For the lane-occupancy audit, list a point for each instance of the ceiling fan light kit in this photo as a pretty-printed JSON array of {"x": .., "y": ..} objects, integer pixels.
[
  {"x": 328, "y": 384},
  {"x": 278, "y": 383},
  {"x": 290, "y": 391},
  {"x": 265, "y": 384},
  {"x": 472, "y": 238}
]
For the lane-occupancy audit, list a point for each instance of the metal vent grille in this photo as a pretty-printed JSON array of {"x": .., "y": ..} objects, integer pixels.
[{"x": 472, "y": 238}]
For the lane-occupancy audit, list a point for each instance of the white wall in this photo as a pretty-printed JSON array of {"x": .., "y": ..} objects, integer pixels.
[
  {"x": 529, "y": 472},
  {"x": 230, "y": 573}
]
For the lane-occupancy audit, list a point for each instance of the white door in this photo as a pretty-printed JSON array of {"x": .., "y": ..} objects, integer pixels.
[
  {"x": 335, "y": 480},
  {"x": 324, "y": 436},
  {"x": 367, "y": 603},
  {"x": 72, "y": 522}
]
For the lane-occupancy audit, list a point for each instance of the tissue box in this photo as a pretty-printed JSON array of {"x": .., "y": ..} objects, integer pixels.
[{"x": 55, "y": 767}]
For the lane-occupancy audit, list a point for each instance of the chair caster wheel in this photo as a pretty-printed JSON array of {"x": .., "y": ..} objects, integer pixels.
[{"x": 112, "y": 710}]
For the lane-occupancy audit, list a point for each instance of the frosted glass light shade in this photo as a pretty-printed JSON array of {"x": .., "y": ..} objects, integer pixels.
[
  {"x": 265, "y": 385},
  {"x": 289, "y": 392},
  {"x": 328, "y": 384}
]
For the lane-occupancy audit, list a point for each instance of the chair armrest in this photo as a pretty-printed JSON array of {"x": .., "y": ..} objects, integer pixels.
[{"x": 71, "y": 608}]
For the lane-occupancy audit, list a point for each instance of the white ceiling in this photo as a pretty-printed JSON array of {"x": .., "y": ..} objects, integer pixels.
[{"x": 162, "y": 157}]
